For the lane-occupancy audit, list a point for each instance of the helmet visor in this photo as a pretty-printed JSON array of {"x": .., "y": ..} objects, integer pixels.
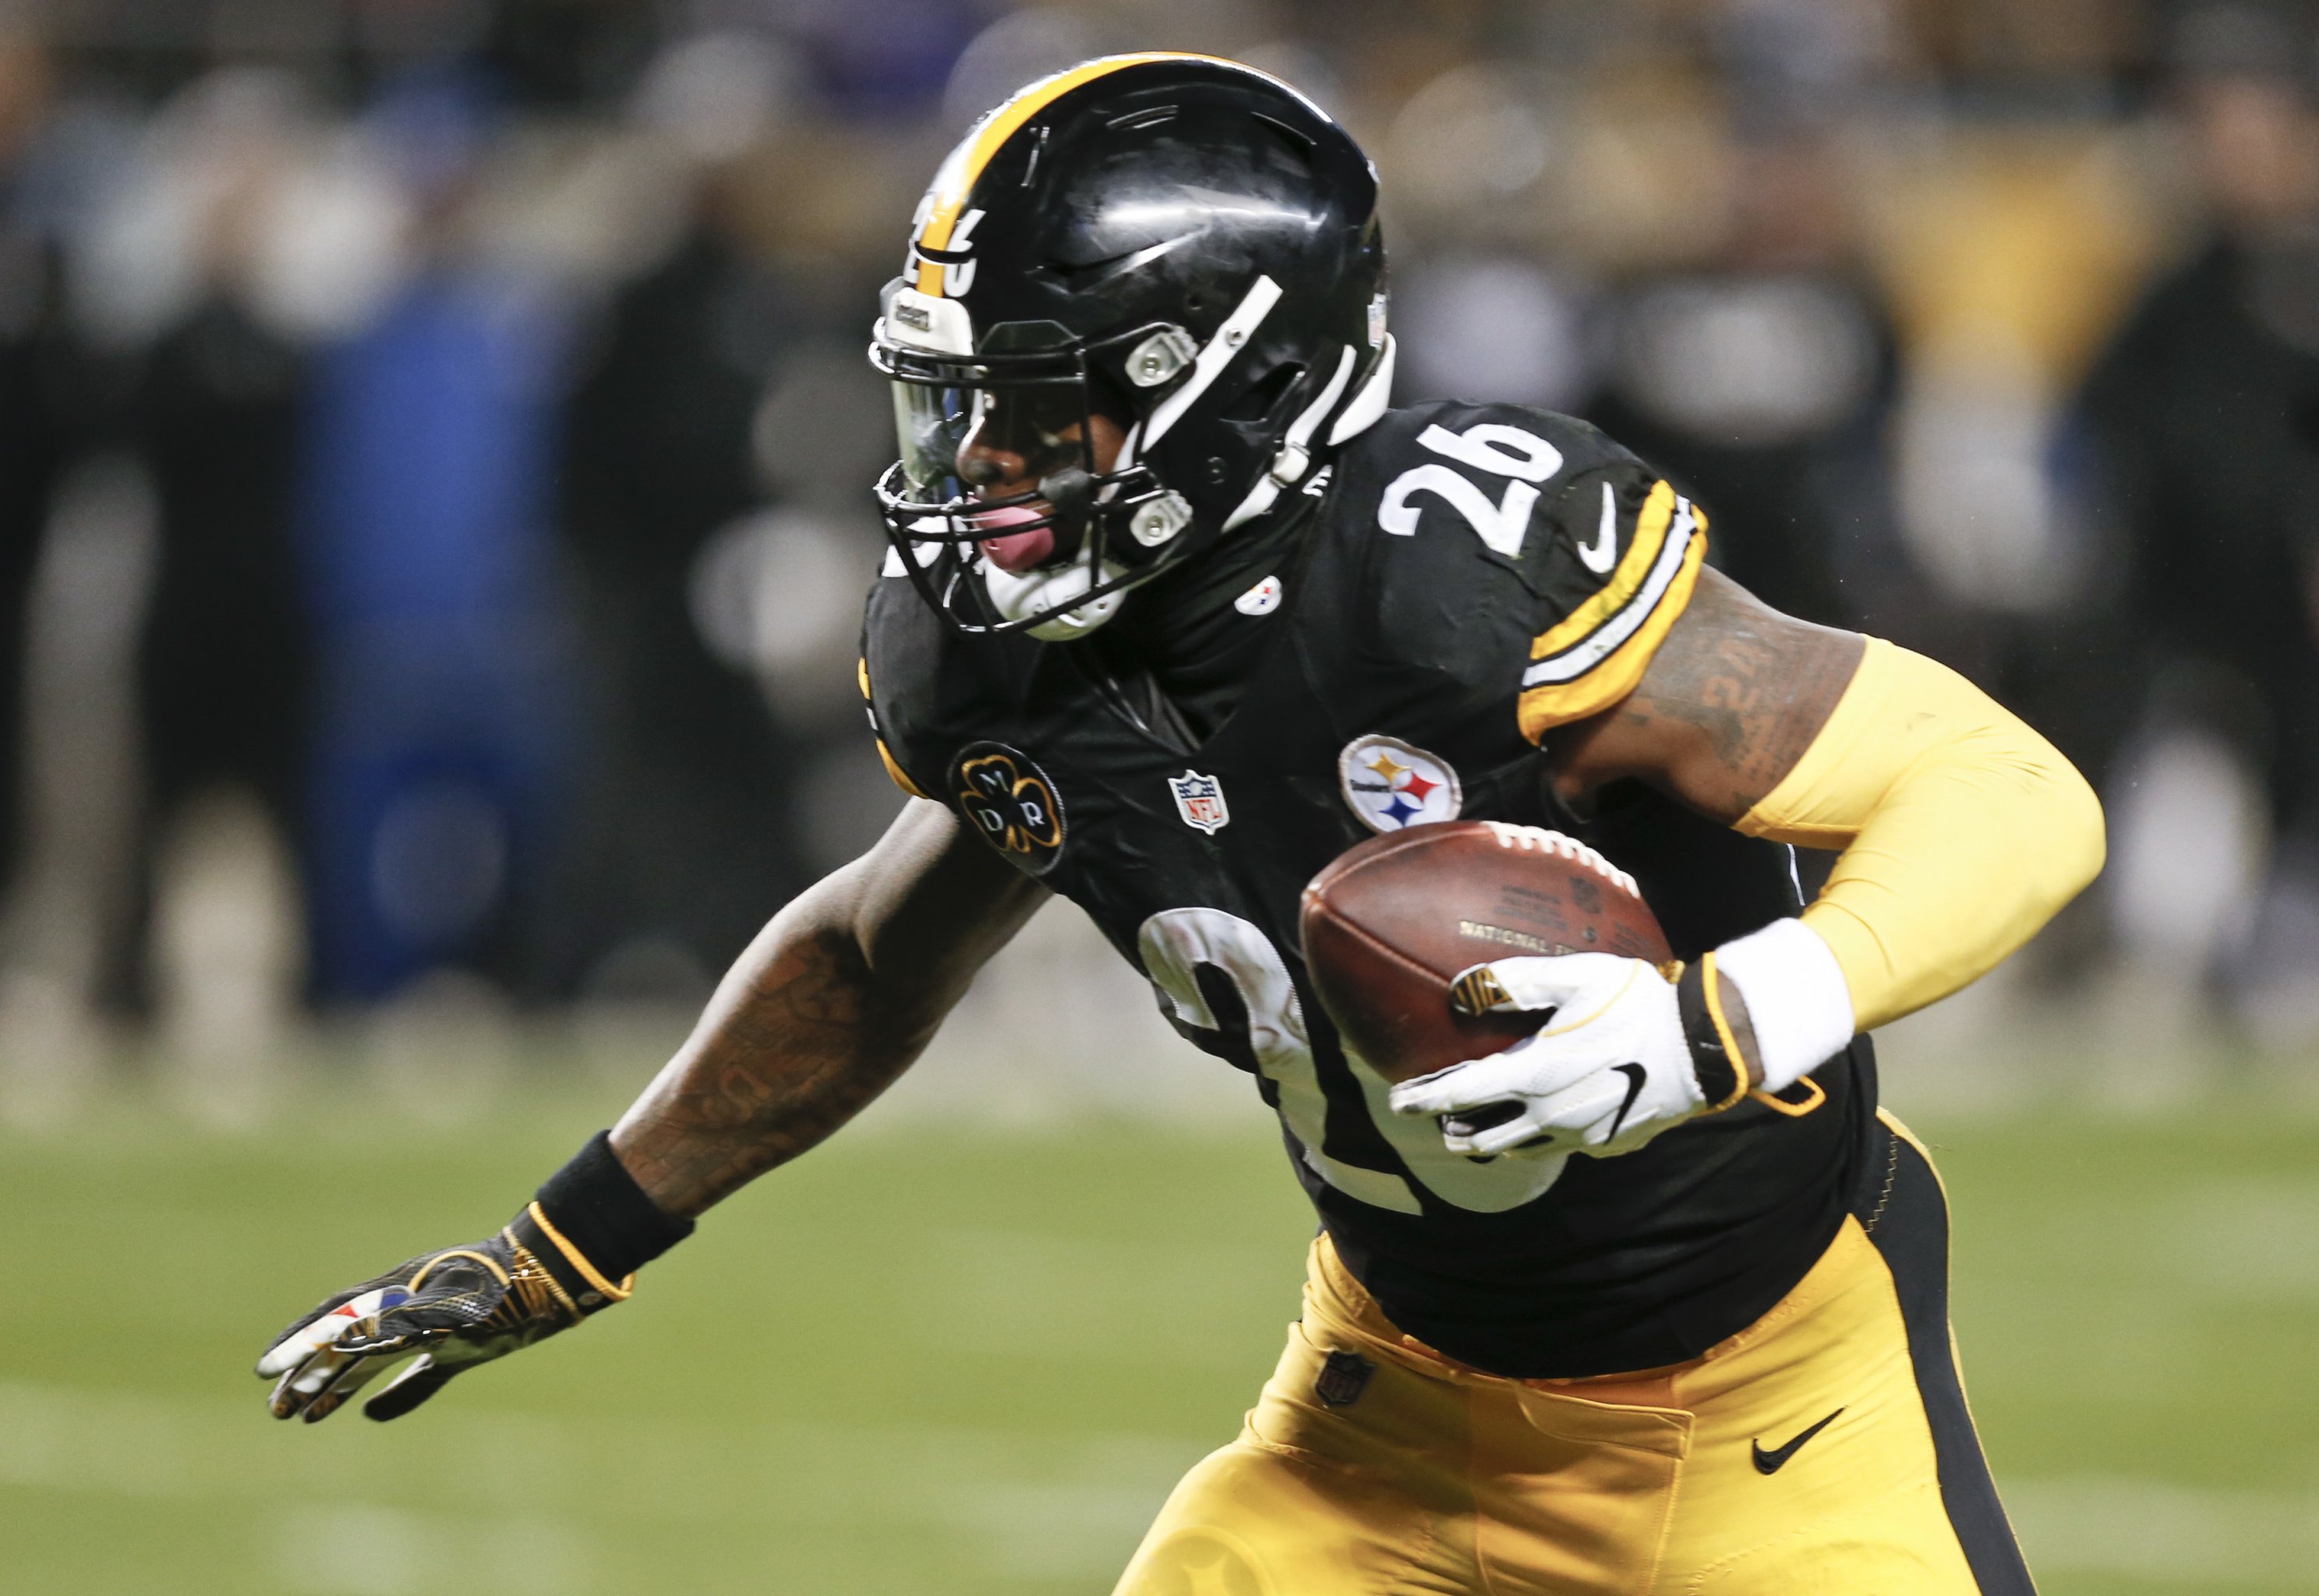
[
  {"x": 930, "y": 425},
  {"x": 988, "y": 431}
]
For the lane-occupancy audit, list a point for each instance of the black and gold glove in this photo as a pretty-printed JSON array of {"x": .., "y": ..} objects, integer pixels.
[{"x": 572, "y": 1251}]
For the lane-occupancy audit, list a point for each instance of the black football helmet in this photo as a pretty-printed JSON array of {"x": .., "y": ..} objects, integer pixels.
[{"x": 1177, "y": 253}]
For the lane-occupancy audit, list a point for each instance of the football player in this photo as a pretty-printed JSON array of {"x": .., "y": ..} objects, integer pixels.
[{"x": 1179, "y": 608}]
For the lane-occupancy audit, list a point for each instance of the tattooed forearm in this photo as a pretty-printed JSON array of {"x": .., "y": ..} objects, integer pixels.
[
  {"x": 830, "y": 1003},
  {"x": 787, "y": 1053},
  {"x": 1735, "y": 695}
]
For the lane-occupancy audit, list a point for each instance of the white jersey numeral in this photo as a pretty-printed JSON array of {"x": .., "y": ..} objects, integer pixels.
[
  {"x": 1173, "y": 945},
  {"x": 1489, "y": 446},
  {"x": 958, "y": 275}
]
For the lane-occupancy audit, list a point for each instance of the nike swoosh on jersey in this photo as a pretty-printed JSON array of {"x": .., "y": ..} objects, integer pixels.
[
  {"x": 1636, "y": 1075},
  {"x": 1769, "y": 1463},
  {"x": 1602, "y": 554}
]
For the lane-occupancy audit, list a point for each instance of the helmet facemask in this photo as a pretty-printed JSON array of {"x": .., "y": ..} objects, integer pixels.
[{"x": 1055, "y": 559}]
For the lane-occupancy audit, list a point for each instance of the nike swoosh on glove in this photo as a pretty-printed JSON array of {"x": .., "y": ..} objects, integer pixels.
[{"x": 1608, "y": 1071}]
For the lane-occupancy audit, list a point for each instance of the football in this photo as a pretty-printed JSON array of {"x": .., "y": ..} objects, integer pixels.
[{"x": 1390, "y": 924}]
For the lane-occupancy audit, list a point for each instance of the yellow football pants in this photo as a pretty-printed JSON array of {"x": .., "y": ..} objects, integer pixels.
[{"x": 1823, "y": 1451}]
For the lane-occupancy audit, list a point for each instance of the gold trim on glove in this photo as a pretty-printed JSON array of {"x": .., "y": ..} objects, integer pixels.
[
  {"x": 427, "y": 1268},
  {"x": 1740, "y": 1072}
]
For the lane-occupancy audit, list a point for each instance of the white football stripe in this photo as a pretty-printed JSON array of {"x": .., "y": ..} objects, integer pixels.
[{"x": 1230, "y": 339}]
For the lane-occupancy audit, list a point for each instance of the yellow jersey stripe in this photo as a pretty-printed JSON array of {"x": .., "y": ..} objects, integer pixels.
[
  {"x": 1650, "y": 531},
  {"x": 960, "y": 172},
  {"x": 1542, "y": 709},
  {"x": 1597, "y": 645},
  {"x": 893, "y": 769},
  {"x": 901, "y": 778}
]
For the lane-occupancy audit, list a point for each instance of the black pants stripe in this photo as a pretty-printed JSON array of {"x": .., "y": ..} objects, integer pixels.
[{"x": 1905, "y": 1214}]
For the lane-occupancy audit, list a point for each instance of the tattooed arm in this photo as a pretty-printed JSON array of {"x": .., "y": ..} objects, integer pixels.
[
  {"x": 832, "y": 1002},
  {"x": 1961, "y": 830},
  {"x": 1734, "y": 696},
  {"x": 1731, "y": 700}
]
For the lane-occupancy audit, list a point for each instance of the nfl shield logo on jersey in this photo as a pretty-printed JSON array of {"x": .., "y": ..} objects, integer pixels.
[
  {"x": 1390, "y": 784},
  {"x": 1200, "y": 801}
]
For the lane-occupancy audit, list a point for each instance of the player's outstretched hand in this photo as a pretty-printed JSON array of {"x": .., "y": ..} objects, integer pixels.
[
  {"x": 454, "y": 1309},
  {"x": 1608, "y": 1071}
]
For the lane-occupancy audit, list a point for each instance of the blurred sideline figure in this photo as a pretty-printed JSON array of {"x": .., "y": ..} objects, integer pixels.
[
  {"x": 224, "y": 668},
  {"x": 441, "y": 720},
  {"x": 40, "y": 413},
  {"x": 1768, "y": 371},
  {"x": 2204, "y": 414},
  {"x": 685, "y": 819}
]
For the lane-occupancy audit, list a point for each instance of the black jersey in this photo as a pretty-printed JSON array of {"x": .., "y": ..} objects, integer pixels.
[{"x": 1473, "y": 577}]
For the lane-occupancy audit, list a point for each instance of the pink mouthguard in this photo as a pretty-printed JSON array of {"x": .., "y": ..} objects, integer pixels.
[{"x": 1016, "y": 551}]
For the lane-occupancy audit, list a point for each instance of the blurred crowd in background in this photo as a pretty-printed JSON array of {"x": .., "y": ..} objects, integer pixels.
[{"x": 434, "y": 435}]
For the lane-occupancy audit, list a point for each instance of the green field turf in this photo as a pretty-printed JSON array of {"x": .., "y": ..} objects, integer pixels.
[{"x": 931, "y": 1359}]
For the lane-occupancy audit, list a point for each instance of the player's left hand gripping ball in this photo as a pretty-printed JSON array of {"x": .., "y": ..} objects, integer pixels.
[
  {"x": 454, "y": 1309},
  {"x": 1608, "y": 1071}
]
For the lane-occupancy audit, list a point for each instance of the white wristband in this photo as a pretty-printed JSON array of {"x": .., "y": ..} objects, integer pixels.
[{"x": 1798, "y": 1003}]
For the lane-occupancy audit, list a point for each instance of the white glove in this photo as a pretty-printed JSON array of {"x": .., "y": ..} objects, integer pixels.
[{"x": 1608, "y": 1071}]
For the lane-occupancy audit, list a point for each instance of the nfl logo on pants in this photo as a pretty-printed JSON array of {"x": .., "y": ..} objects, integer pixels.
[
  {"x": 1200, "y": 801},
  {"x": 1342, "y": 1379}
]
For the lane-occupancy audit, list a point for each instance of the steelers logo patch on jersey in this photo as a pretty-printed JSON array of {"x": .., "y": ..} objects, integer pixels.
[
  {"x": 1262, "y": 599},
  {"x": 1390, "y": 784},
  {"x": 1009, "y": 800}
]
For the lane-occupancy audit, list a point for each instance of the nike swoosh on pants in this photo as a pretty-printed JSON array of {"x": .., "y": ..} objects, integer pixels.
[{"x": 1769, "y": 1462}]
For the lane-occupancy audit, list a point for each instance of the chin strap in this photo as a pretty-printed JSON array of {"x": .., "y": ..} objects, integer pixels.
[{"x": 1294, "y": 459}]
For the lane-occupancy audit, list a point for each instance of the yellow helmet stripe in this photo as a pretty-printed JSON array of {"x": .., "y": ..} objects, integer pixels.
[{"x": 957, "y": 177}]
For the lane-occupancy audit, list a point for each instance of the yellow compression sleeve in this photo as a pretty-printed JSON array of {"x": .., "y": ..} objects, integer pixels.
[{"x": 1962, "y": 832}]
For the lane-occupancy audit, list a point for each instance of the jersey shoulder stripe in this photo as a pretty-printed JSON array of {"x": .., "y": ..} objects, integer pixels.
[
  {"x": 901, "y": 777},
  {"x": 1596, "y": 656},
  {"x": 1525, "y": 558}
]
